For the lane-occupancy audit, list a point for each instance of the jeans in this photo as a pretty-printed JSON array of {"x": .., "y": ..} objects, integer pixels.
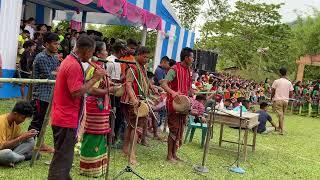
[{"x": 18, "y": 153}]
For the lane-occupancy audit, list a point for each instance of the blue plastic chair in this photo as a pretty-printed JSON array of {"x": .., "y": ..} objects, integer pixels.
[{"x": 192, "y": 126}]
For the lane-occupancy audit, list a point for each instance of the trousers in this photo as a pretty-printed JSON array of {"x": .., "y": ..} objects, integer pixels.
[
  {"x": 61, "y": 163},
  {"x": 40, "y": 110},
  {"x": 18, "y": 153}
]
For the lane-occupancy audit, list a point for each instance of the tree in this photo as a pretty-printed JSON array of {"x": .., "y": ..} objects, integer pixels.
[
  {"x": 238, "y": 35},
  {"x": 188, "y": 11},
  {"x": 306, "y": 41}
]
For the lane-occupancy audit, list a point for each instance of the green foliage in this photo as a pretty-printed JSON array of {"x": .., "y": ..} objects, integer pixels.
[
  {"x": 62, "y": 25},
  {"x": 239, "y": 34},
  {"x": 306, "y": 41},
  {"x": 188, "y": 11}
]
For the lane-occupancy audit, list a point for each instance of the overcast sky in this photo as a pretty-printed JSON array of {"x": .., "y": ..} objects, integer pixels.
[{"x": 287, "y": 11}]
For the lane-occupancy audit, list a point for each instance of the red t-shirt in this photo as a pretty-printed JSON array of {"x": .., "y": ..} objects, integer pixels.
[{"x": 65, "y": 108}]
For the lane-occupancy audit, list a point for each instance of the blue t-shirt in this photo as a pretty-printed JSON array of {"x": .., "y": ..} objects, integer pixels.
[
  {"x": 159, "y": 74},
  {"x": 263, "y": 118}
]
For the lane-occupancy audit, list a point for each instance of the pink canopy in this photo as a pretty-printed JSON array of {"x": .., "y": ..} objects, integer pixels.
[{"x": 130, "y": 11}]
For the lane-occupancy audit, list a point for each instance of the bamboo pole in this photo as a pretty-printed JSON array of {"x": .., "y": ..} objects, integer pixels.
[
  {"x": 43, "y": 131},
  {"x": 27, "y": 81}
]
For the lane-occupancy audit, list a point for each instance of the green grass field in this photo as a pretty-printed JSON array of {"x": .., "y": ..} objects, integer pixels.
[{"x": 292, "y": 156}]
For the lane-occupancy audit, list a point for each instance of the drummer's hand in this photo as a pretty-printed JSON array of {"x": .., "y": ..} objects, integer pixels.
[
  {"x": 135, "y": 103},
  {"x": 174, "y": 94}
]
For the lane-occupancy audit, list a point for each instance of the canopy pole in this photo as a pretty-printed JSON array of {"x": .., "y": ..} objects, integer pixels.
[
  {"x": 144, "y": 36},
  {"x": 83, "y": 20}
]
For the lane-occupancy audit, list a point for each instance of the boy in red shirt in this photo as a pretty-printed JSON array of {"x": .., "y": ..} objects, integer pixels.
[{"x": 68, "y": 104}]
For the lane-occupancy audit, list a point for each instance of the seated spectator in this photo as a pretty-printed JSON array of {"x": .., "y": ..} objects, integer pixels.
[
  {"x": 245, "y": 104},
  {"x": 198, "y": 109},
  {"x": 16, "y": 146},
  {"x": 228, "y": 104},
  {"x": 263, "y": 118}
]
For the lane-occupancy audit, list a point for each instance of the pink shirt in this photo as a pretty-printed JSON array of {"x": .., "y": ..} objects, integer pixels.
[
  {"x": 282, "y": 86},
  {"x": 65, "y": 108},
  {"x": 199, "y": 107}
]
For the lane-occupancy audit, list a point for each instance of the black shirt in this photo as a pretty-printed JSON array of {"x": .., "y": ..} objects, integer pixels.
[{"x": 26, "y": 61}]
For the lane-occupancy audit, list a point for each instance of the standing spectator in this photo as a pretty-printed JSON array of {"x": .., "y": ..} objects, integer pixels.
[
  {"x": 26, "y": 62},
  {"x": 38, "y": 39},
  {"x": 114, "y": 70},
  {"x": 49, "y": 28},
  {"x": 42, "y": 28},
  {"x": 22, "y": 38},
  {"x": 65, "y": 45},
  {"x": 315, "y": 97},
  {"x": 45, "y": 64},
  {"x": 74, "y": 38},
  {"x": 161, "y": 70},
  {"x": 30, "y": 26},
  {"x": 68, "y": 104},
  {"x": 282, "y": 90}
]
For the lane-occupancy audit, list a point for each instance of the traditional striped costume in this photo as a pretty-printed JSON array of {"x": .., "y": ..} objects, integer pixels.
[{"x": 93, "y": 156}]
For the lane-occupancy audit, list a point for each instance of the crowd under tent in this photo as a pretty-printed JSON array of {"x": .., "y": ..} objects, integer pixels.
[{"x": 149, "y": 14}]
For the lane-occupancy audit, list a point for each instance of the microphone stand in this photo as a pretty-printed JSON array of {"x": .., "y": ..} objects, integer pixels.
[
  {"x": 202, "y": 168},
  {"x": 238, "y": 169},
  {"x": 128, "y": 168}
]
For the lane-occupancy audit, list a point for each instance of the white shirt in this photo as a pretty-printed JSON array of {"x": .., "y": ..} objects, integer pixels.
[
  {"x": 31, "y": 31},
  {"x": 282, "y": 86},
  {"x": 113, "y": 68}
]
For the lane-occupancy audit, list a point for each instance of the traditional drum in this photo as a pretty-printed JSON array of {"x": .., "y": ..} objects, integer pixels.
[
  {"x": 118, "y": 90},
  {"x": 181, "y": 104},
  {"x": 143, "y": 110}
]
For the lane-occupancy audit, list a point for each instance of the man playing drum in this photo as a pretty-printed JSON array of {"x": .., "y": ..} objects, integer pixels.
[
  {"x": 177, "y": 84},
  {"x": 133, "y": 96}
]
